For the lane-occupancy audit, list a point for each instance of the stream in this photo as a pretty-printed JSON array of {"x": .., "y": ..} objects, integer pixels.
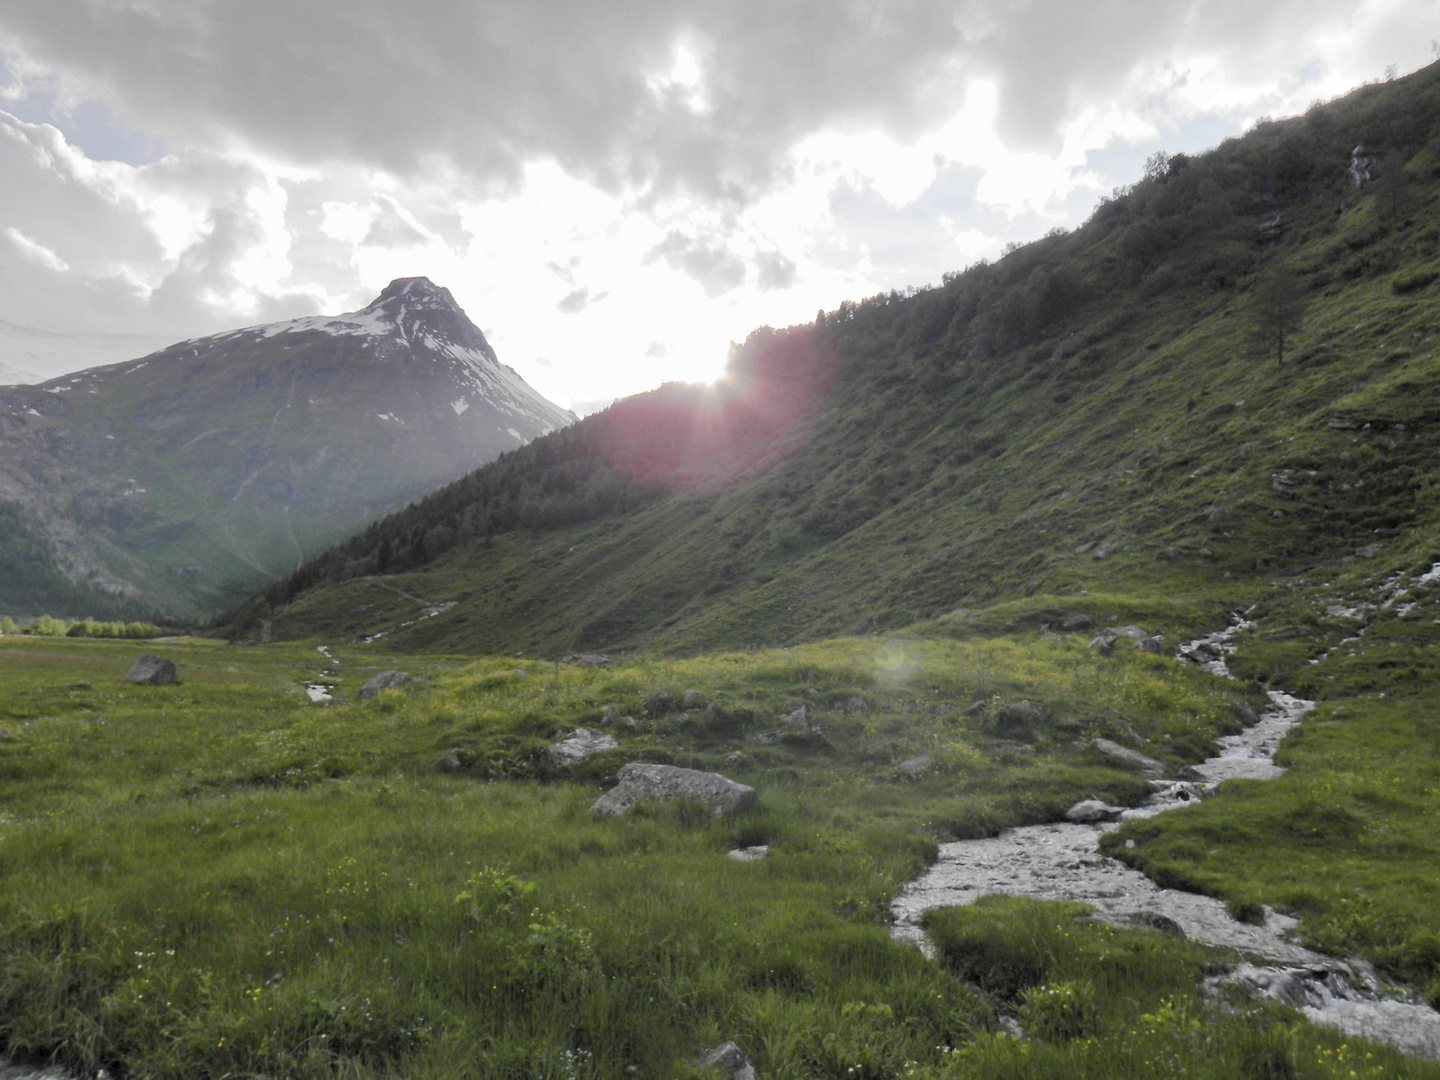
[{"x": 1063, "y": 862}]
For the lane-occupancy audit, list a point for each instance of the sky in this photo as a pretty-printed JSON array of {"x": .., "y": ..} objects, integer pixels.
[{"x": 614, "y": 192}]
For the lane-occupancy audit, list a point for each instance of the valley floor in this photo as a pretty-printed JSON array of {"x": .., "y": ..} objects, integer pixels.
[{"x": 223, "y": 878}]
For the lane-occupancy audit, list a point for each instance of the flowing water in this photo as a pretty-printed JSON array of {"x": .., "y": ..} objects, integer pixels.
[{"x": 1063, "y": 862}]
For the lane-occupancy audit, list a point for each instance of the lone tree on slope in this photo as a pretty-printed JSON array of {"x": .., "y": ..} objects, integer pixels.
[{"x": 1277, "y": 307}]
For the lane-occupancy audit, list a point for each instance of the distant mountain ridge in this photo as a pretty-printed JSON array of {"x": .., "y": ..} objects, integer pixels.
[{"x": 187, "y": 476}]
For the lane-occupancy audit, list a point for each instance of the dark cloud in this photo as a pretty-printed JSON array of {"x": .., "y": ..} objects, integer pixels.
[
  {"x": 715, "y": 268},
  {"x": 489, "y": 86}
]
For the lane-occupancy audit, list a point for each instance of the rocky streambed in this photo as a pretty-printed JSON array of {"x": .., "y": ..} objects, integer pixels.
[{"x": 1063, "y": 862}]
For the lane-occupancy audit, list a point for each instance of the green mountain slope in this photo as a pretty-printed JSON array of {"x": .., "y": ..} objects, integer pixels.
[{"x": 1101, "y": 409}]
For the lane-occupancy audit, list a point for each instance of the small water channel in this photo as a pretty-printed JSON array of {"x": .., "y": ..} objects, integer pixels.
[{"x": 1063, "y": 862}]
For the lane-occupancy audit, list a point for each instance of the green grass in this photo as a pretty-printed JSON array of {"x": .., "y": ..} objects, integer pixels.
[{"x": 219, "y": 878}]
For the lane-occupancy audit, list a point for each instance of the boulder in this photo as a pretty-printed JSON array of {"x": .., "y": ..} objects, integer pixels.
[
  {"x": 586, "y": 660},
  {"x": 670, "y": 783},
  {"x": 730, "y": 1059},
  {"x": 1077, "y": 622},
  {"x": 693, "y": 699},
  {"x": 151, "y": 670},
  {"x": 797, "y": 720},
  {"x": 386, "y": 680},
  {"x": 1152, "y": 645},
  {"x": 1017, "y": 720},
  {"x": 581, "y": 746},
  {"x": 915, "y": 767},
  {"x": 1131, "y": 759},
  {"x": 1093, "y": 812}
]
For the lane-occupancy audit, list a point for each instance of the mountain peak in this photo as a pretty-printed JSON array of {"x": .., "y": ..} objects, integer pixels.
[
  {"x": 421, "y": 310},
  {"x": 414, "y": 294}
]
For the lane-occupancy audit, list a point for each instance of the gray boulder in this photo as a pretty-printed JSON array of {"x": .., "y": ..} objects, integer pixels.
[
  {"x": 1131, "y": 759},
  {"x": 670, "y": 783},
  {"x": 1093, "y": 812},
  {"x": 586, "y": 660},
  {"x": 730, "y": 1059},
  {"x": 581, "y": 746},
  {"x": 1077, "y": 622},
  {"x": 386, "y": 680},
  {"x": 1244, "y": 713},
  {"x": 151, "y": 670},
  {"x": 915, "y": 767}
]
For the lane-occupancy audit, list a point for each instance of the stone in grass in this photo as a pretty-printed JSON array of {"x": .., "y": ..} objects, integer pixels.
[
  {"x": 915, "y": 767},
  {"x": 386, "y": 680},
  {"x": 670, "y": 783},
  {"x": 579, "y": 747},
  {"x": 151, "y": 670},
  {"x": 1076, "y": 623},
  {"x": 1132, "y": 759},
  {"x": 730, "y": 1059},
  {"x": 587, "y": 660},
  {"x": 1093, "y": 812}
]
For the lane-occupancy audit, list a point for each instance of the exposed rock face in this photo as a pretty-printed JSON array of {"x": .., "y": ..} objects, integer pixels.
[
  {"x": 579, "y": 747},
  {"x": 151, "y": 670},
  {"x": 669, "y": 783},
  {"x": 386, "y": 680}
]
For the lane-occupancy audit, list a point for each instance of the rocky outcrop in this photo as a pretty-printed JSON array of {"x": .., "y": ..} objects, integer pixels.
[
  {"x": 152, "y": 670},
  {"x": 579, "y": 747},
  {"x": 670, "y": 783},
  {"x": 386, "y": 680}
]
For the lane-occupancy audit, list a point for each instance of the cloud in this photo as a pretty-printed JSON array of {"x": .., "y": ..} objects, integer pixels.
[
  {"x": 776, "y": 271},
  {"x": 394, "y": 227},
  {"x": 36, "y": 252},
  {"x": 572, "y": 303},
  {"x": 712, "y": 265}
]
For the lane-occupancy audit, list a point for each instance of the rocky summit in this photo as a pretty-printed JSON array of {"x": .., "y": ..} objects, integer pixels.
[{"x": 182, "y": 479}]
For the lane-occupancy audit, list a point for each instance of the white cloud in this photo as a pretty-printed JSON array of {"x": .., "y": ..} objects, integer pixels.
[
  {"x": 590, "y": 180},
  {"x": 36, "y": 252}
]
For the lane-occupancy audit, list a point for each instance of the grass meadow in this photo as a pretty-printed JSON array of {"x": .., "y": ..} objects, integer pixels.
[{"x": 219, "y": 878}]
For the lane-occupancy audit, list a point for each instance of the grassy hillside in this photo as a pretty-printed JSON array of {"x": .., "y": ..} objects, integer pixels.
[{"x": 1101, "y": 409}]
